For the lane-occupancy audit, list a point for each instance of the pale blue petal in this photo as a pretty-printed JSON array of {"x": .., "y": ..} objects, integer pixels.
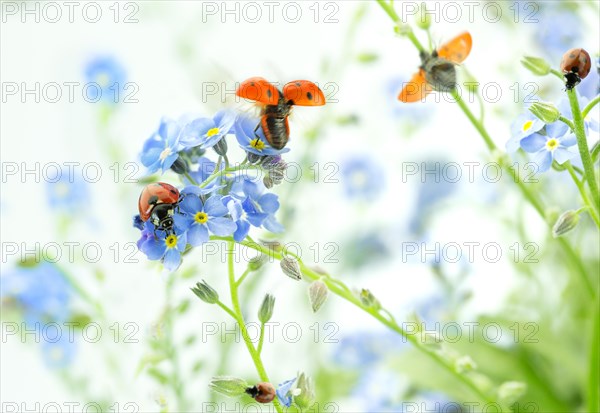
[
  {"x": 243, "y": 227},
  {"x": 197, "y": 235},
  {"x": 221, "y": 226},
  {"x": 191, "y": 204},
  {"x": 543, "y": 159},
  {"x": 568, "y": 140},
  {"x": 172, "y": 259},
  {"x": 562, "y": 155},
  {"x": 533, "y": 143},
  {"x": 556, "y": 129},
  {"x": 269, "y": 203},
  {"x": 214, "y": 206}
]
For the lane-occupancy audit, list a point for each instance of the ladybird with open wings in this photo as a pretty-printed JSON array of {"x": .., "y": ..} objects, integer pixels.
[
  {"x": 278, "y": 105},
  {"x": 437, "y": 70}
]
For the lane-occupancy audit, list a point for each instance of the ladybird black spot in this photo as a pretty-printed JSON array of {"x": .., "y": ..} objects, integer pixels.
[
  {"x": 298, "y": 84},
  {"x": 572, "y": 56},
  {"x": 251, "y": 83},
  {"x": 173, "y": 191},
  {"x": 269, "y": 93},
  {"x": 153, "y": 200},
  {"x": 309, "y": 95},
  {"x": 459, "y": 55}
]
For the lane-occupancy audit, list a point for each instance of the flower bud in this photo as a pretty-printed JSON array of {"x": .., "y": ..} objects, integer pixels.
[
  {"x": 565, "y": 223},
  {"x": 317, "y": 293},
  {"x": 221, "y": 147},
  {"x": 306, "y": 392},
  {"x": 291, "y": 268},
  {"x": 423, "y": 18},
  {"x": 511, "y": 391},
  {"x": 546, "y": 112},
  {"x": 180, "y": 166},
  {"x": 536, "y": 65},
  {"x": 254, "y": 158},
  {"x": 228, "y": 386},
  {"x": 263, "y": 392},
  {"x": 266, "y": 309},
  {"x": 368, "y": 299},
  {"x": 256, "y": 262},
  {"x": 464, "y": 364},
  {"x": 205, "y": 292}
]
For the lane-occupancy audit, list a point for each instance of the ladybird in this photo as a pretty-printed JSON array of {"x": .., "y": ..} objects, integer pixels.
[
  {"x": 157, "y": 203},
  {"x": 437, "y": 71},
  {"x": 575, "y": 65},
  {"x": 262, "y": 392},
  {"x": 277, "y": 105}
]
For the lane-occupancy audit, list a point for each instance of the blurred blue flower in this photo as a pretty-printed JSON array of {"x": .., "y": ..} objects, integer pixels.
[
  {"x": 549, "y": 147},
  {"x": 365, "y": 348},
  {"x": 378, "y": 390},
  {"x": 362, "y": 177},
  {"x": 589, "y": 122},
  {"x": 59, "y": 353},
  {"x": 590, "y": 86},
  {"x": 161, "y": 150},
  {"x": 69, "y": 194},
  {"x": 523, "y": 126},
  {"x": 110, "y": 76},
  {"x": 284, "y": 392},
  {"x": 41, "y": 291},
  {"x": 434, "y": 189},
  {"x": 198, "y": 218},
  {"x": 365, "y": 249},
  {"x": 249, "y": 205},
  {"x": 251, "y": 141},
  {"x": 559, "y": 29},
  {"x": 206, "y": 132},
  {"x": 167, "y": 247}
]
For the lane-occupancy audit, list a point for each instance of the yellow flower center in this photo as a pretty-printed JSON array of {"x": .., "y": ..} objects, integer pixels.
[
  {"x": 201, "y": 217},
  {"x": 62, "y": 190},
  {"x": 257, "y": 144},
  {"x": 103, "y": 80},
  {"x": 527, "y": 125},
  {"x": 171, "y": 241},
  {"x": 212, "y": 132},
  {"x": 552, "y": 144},
  {"x": 165, "y": 153}
]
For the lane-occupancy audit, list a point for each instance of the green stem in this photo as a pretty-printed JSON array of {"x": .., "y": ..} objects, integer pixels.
[
  {"x": 567, "y": 122},
  {"x": 403, "y": 29},
  {"x": 261, "y": 340},
  {"x": 243, "y": 277},
  {"x": 340, "y": 289},
  {"x": 584, "y": 195},
  {"x": 226, "y": 171},
  {"x": 594, "y": 374},
  {"x": 239, "y": 317},
  {"x": 558, "y": 75},
  {"x": 584, "y": 151},
  {"x": 590, "y": 106},
  {"x": 486, "y": 137},
  {"x": 189, "y": 177}
]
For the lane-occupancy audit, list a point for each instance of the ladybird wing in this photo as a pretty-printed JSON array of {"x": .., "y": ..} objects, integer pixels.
[
  {"x": 303, "y": 93},
  {"x": 258, "y": 89},
  {"x": 416, "y": 89},
  {"x": 457, "y": 49}
]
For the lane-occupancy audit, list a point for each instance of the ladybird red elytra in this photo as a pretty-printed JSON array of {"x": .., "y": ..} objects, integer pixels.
[
  {"x": 157, "y": 203},
  {"x": 278, "y": 105},
  {"x": 262, "y": 392},
  {"x": 575, "y": 65}
]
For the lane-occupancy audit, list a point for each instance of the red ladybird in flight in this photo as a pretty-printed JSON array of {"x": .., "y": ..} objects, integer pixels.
[
  {"x": 437, "y": 70},
  {"x": 157, "y": 202},
  {"x": 278, "y": 106}
]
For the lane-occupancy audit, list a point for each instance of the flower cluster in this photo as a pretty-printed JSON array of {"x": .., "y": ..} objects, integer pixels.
[
  {"x": 542, "y": 134},
  {"x": 218, "y": 198},
  {"x": 42, "y": 295}
]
